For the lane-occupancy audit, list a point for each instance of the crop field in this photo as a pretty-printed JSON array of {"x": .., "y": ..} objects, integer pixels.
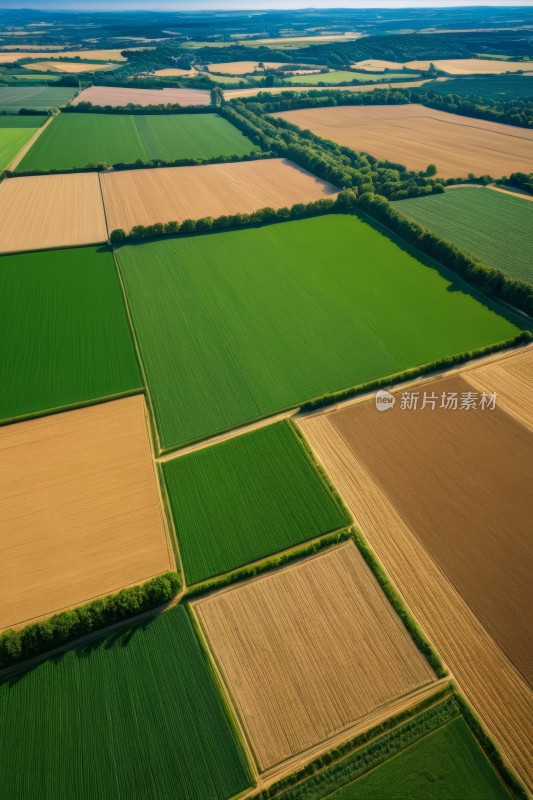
[
  {"x": 243, "y": 67},
  {"x": 456, "y": 553},
  {"x": 64, "y": 335},
  {"x": 78, "y": 140},
  {"x": 491, "y": 226},
  {"x": 339, "y": 76},
  {"x": 69, "y": 66},
  {"x": 230, "y": 94},
  {"x": 13, "y": 98},
  {"x": 86, "y": 55},
  {"x": 79, "y": 507},
  {"x": 122, "y": 96},
  {"x": 229, "y": 315},
  {"x": 417, "y": 136},
  {"x": 134, "y": 714},
  {"x": 283, "y": 642},
  {"x": 247, "y": 498},
  {"x": 46, "y": 211},
  {"x": 446, "y": 764},
  {"x": 147, "y": 196},
  {"x": 472, "y": 66},
  {"x": 512, "y": 379},
  {"x": 498, "y": 87},
  {"x": 15, "y": 131}
]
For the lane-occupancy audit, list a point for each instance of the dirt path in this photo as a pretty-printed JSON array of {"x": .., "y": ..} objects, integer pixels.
[
  {"x": 490, "y": 682},
  {"x": 516, "y": 193},
  {"x": 13, "y": 164}
]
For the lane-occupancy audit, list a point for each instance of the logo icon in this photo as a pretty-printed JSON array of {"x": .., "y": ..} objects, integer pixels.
[{"x": 384, "y": 400}]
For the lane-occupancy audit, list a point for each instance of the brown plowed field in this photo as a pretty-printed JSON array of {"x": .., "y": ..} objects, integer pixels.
[
  {"x": 146, "y": 196},
  {"x": 80, "y": 512},
  {"x": 309, "y": 650},
  {"x": 512, "y": 380},
  {"x": 492, "y": 684},
  {"x": 46, "y": 211},
  {"x": 417, "y": 136},
  {"x": 117, "y": 96}
]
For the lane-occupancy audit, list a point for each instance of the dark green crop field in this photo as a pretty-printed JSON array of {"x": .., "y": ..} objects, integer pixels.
[
  {"x": 446, "y": 765},
  {"x": 13, "y": 98},
  {"x": 244, "y": 499},
  {"x": 235, "y": 326},
  {"x": 64, "y": 335},
  {"x": 492, "y": 87},
  {"x": 14, "y": 133},
  {"x": 134, "y": 714},
  {"x": 494, "y": 227},
  {"x": 79, "y": 140}
]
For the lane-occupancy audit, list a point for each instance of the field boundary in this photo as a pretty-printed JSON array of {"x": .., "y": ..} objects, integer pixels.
[{"x": 15, "y": 161}]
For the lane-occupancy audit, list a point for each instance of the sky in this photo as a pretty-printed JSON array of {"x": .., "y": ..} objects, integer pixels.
[{"x": 197, "y": 5}]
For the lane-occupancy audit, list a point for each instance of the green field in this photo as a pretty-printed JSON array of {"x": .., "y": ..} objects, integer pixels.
[
  {"x": 343, "y": 76},
  {"x": 13, "y": 98},
  {"x": 236, "y": 326},
  {"x": 132, "y": 715},
  {"x": 64, "y": 336},
  {"x": 497, "y": 87},
  {"x": 446, "y": 765},
  {"x": 494, "y": 227},
  {"x": 14, "y": 133},
  {"x": 247, "y": 498},
  {"x": 77, "y": 140}
]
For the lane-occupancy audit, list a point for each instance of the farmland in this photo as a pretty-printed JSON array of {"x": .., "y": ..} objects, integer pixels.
[
  {"x": 243, "y": 67},
  {"x": 311, "y": 618},
  {"x": 64, "y": 333},
  {"x": 13, "y": 98},
  {"x": 147, "y": 196},
  {"x": 447, "y": 763},
  {"x": 79, "y": 507},
  {"x": 120, "y": 96},
  {"x": 499, "y": 87},
  {"x": 14, "y": 133},
  {"x": 135, "y": 714},
  {"x": 78, "y": 140},
  {"x": 451, "y": 66},
  {"x": 493, "y": 227},
  {"x": 512, "y": 379},
  {"x": 46, "y": 211},
  {"x": 231, "y": 94},
  {"x": 247, "y": 498},
  {"x": 230, "y": 315},
  {"x": 69, "y": 66},
  {"x": 340, "y": 76},
  {"x": 417, "y": 136},
  {"x": 86, "y": 55}
]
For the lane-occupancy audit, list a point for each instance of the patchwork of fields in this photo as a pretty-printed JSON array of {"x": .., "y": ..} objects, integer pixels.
[
  {"x": 122, "y": 96},
  {"x": 46, "y": 211},
  {"x": 490, "y": 225},
  {"x": 80, "y": 140},
  {"x": 147, "y": 196},
  {"x": 15, "y": 131},
  {"x": 417, "y": 136},
  {"x": 265, "y": 319},
  {"x": 64, "y": 335},
  {"x": 135, "y": 714},
  {"x": 245, "y": 499},
  {"x": 312, "y": 619},
  {"x": 13, "y": 98},
  {"x": 89, "y": 521},
  {"x": 341, "y": 76}
]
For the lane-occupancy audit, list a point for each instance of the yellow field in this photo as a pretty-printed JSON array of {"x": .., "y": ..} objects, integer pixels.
[
  {"x": 66, "y": 66},
  {"x": 46, "y": 211},
  {"x": 146, "y": 196},
  {"x": 80, "y": 511},
  {"x": 453, "y": 66},
  {"x": 229, "y": 94},
  {"x": 174, "y": 72},
  {"x": 114, "y": 96},
  {"x": 309, "y": 650},
  {"x": 242, "y": 67},
  {"x": 512, "y": 379},
  {"x": 87, "y": 55},
  {"x": 417, "y": 136}
]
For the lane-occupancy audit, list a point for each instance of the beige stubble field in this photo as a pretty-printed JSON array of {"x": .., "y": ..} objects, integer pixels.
[
  {"x": 122, "y": 96},
  {"x": 147, "y": 196},
  {"x": 417, "y": 136},
  {"x": 80, "y": 510},
  {"x": 46, "y": 211},
  {"x": 308, "y": 650}
]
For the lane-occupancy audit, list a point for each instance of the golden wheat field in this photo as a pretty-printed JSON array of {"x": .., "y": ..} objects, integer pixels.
[
  {"x": 119, "y": 96},
  {"x": 80, "y": 511},
  {"x": 67, "y": 66},
  {"x": 512, "y": 380},
  {"x": 453, "y": 66},
  {"x": 417, "y": 136},
  {"x": 146, "y": 196},
  {"x": 229, "y": 94},
  {"x": 309, "y": 650},
  {"x": 87, "y": 55},
  {"x": 45, "y": 211}
]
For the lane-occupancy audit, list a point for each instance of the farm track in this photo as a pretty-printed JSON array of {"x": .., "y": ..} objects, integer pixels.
[{"x": 490, "y": 682}]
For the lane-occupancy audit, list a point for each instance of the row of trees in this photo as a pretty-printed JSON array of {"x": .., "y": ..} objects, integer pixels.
[
  {"x": 37, "y": 638},
  {"x": 135, "y": 108},
  {"x": 520, "y": 180}
]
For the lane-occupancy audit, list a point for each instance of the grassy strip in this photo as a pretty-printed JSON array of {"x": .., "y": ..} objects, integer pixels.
[
  {"x": 524, "y": 337},
  {"x": 328, "y": 772},
  {"x": 396, "y": 602},
  {"x": 491, "y": 751},
  {"x": 38, "y": 637}
]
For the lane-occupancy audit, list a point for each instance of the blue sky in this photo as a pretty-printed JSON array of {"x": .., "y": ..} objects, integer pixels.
[{"x": 188, "y": 5}]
